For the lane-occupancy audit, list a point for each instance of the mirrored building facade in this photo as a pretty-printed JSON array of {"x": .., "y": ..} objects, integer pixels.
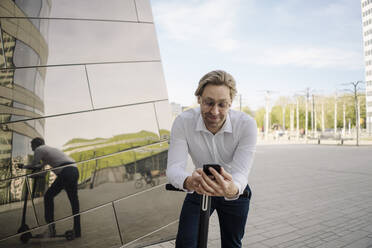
[
  {"x": 86, "y": 76},
  {"x": 366, "y": 6}
]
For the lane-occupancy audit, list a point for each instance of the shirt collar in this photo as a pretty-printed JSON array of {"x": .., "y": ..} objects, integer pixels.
[{"x": 227, "y": 127}]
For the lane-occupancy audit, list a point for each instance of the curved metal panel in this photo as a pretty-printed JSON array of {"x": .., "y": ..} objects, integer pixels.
[
  {"x": 98, "y": 229},
  {"x": 126, "y": 83},
  {"x": 147, "y": 212},
  {"x": 118, "y": 10}
]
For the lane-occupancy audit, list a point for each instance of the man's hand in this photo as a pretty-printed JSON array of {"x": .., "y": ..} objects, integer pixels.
[
  {"x": 222, "y": 185},
  {"x": 203, "y": 184},
  {"x": 193, "y": 182}
]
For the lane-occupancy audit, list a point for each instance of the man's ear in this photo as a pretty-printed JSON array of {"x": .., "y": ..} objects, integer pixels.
[{"x": 199, "y": 99}]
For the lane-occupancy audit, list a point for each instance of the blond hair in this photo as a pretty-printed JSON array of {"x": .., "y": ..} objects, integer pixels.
[{"x": 217, "y": 77}]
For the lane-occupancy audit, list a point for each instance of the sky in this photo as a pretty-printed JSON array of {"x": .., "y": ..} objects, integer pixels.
[{"x": 283, "y": 46}]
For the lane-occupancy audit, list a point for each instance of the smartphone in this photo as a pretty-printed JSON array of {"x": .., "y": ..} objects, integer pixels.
[{"x": 206, "y": 167}]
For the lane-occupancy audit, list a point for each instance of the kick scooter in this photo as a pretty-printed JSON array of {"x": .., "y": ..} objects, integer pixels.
[{"x": 205, "y": 208}]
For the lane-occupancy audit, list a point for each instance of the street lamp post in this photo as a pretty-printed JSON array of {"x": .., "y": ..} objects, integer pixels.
[
  {"x": 335, "y": 123},
  {"x": 267, "y": 116},
  {"x": 306, "y": 112},
  {"x": 312, "y": 115},
  {"x": 297, "y": 120},
  {"x": 323, "y": 126},
  {"x": 344, "y": 120}
]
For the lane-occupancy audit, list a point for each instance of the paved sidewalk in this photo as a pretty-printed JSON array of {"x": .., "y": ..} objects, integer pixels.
[{"x": 307, "y": 196}]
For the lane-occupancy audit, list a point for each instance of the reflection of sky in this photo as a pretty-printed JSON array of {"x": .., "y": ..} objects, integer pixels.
[
  {"x": 74, "y": 41},
  {"x": 66, "y": 90},
  {"x": 126, "y": 83},
  {"x": 164, "y": 114},
  {"x": 103, "y": 124}
]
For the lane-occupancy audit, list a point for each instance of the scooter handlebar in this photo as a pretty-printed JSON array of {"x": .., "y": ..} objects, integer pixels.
[{"x": 170, "y": 187}]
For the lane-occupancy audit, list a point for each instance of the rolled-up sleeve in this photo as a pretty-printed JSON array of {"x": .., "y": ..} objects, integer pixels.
[
  {"x": 244, "y": 155},
  {"x": 177, "y": 155}
]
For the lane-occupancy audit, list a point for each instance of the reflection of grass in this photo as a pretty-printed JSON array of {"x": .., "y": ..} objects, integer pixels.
[
  {"x": 164, "y": 133},
  {"x": 122, "y": 138},
  {"x": 139, "y": 140},
  {"x": 86, "y": 169},
  {"x": 79, "y": 140},
  {"x": 115, "y": 144}
]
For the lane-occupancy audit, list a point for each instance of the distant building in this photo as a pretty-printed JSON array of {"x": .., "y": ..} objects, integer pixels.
[
  {"x": 176, "y": 109},
  {"x": 367, "y": 42}
]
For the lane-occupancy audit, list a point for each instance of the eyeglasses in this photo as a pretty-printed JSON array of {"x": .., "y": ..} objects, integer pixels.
[{"x": 209, "y": 103}]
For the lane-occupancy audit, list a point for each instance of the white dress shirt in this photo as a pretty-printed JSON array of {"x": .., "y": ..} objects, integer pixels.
[{"x": 232, "y": 147}]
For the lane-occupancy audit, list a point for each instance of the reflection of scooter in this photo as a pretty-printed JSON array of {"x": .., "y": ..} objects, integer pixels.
[
  {"x": 25, "y": 237},
  {"x": 150, "y": 177}
]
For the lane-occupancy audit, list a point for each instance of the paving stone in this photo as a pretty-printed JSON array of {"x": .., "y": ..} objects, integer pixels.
[
  {"x": 363, "y": 243},
  {"x": 332, "y": 244},
  {"x": 281, "y": 239},
  {"x": 254, "y": 239},
  {"x": 354, "y": 236},
  {"x": 315, "y": 244}
]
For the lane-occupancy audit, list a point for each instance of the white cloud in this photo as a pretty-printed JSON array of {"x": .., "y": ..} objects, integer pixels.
[
  {"x": 208, "y": 22},
  {"x": 314, "y": 57}
]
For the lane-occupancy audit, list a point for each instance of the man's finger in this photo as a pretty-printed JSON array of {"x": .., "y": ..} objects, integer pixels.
[
  {"x": 225, "y": 174},
  {"x": 210, "y": 182},
  {"x": 205, "y": 185},
  {"x": 199, "y": 171},
  {"x": 219, "y": 178}
]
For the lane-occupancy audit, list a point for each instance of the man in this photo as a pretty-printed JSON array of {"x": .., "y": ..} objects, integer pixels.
[
  {"x": 67, "y": 179},
  {"x": 214, "y": 134}
]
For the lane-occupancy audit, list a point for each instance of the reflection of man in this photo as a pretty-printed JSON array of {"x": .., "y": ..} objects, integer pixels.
[
  {"x": 213, "y": 134},
  {"x": 67, "y": 179}
]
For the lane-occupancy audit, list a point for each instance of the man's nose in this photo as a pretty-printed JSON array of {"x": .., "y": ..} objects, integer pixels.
[{"x": 215, "y": 110}]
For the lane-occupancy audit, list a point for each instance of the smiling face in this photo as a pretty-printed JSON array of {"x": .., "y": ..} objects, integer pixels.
[{"x": 214, "y": 105}]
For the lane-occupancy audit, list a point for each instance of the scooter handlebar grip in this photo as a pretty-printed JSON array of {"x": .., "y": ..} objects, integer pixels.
[{"x": 170, "y": 187}]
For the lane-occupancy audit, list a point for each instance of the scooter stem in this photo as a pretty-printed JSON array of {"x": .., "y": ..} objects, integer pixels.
[{"x": 205, "y": 208}]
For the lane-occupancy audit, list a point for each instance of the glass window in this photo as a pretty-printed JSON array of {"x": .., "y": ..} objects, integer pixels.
[
  {"x": 24, "y": 55},
  {"x": 22, "y": 106},
  {"x": 30, "y": 8}
]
